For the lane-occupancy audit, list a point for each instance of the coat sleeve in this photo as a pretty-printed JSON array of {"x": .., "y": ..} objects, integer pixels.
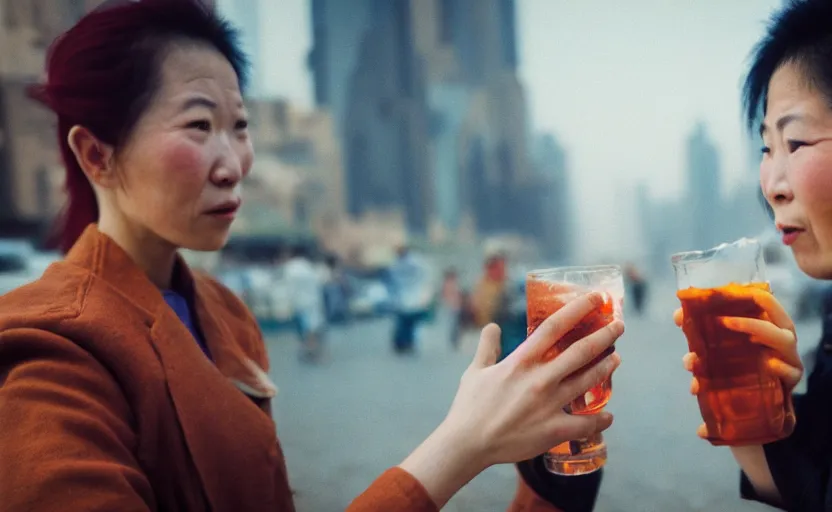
[
  {"x": 66, "y": 441},
  {"x": 395, "y": 490},
  {"x": 800, "y": 464}
]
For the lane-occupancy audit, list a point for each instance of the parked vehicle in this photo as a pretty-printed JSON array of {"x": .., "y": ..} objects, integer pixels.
[
  {"x": 262, "y": 290},
  {"x": 368, "y": 297},
  {"x": 14, "y": 264},
  {"x": 39, "y": 261}
]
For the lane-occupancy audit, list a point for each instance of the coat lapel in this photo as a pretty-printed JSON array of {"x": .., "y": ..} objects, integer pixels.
[
  {"x": 226, "y": 433},
  {"x": 229, "y": 359},
  {"x": 222, "y": 427}
]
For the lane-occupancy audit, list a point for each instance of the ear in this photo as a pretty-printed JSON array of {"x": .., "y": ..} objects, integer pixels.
[{"x": 94, "y": 157}]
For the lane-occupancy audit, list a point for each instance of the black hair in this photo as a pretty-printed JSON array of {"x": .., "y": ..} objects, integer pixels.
[{"x": 800, "y": 33}]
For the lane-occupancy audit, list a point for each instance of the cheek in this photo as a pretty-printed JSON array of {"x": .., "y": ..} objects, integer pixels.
[
  {"x": 247, "y": 158},
  {"x": 184, "y": 162},
  {"x": 765, "y": 173},
  {"x": 811, "y": 181},
  {"x": 170, "y": 180}
]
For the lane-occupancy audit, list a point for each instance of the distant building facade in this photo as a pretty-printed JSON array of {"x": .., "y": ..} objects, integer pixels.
[
  {"x": 430, "y": 109},
  {"x": 31, "y": 176}
]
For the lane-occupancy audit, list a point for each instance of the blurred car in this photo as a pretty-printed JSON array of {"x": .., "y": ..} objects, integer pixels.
[
  {"x": 39, "y": 261},
  {"x": 21, "y": 263},
  {"x": 262, "y": 290},
  {"x": 14, "y": 264},
  {"x": 368, "y": 297}
]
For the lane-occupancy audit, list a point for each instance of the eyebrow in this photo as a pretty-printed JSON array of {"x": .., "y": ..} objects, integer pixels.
[
  {"x": 198, "y": 101},
  {"x": 781, "y": 123}
]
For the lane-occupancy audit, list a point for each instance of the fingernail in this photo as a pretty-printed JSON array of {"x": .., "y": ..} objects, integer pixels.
[
  {"x": 618, "y": 327},
  {"x": 611, "y": 362},
  {"x": 605, "y": 417},
  {"x": 729, "y": 322},
  {"x": 596, "y": 298}
]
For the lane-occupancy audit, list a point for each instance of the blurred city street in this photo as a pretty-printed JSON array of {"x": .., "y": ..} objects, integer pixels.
[{"x": 343, "y": 423}]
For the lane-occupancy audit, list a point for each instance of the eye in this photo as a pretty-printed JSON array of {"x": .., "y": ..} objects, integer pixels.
[
  {"x": 201, "y": 125},
  {"x": 242, "y": 124},
  {"x": 794, "y": 145},
  {"x": 765, "y": 150}
]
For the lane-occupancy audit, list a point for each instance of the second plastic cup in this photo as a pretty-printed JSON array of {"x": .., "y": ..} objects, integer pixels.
[{"x": 740, "y": 401}]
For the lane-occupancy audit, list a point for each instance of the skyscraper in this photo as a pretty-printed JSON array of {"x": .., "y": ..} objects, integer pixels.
[
  {"x": 246, "y": 16},
  {"x": 550, "y": 199},
  {"x": 483, "y": 35},
  {"x": 405, "y": 79},
  {"x": 704, "y": 189},
  {"x": 338, "y": 28},
  {"x": 385, "y": 125}
]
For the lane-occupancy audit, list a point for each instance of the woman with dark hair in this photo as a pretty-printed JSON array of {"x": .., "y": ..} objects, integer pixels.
[
  {"x": 127, "y": 382},
  {"x": 790, "y": 81}
]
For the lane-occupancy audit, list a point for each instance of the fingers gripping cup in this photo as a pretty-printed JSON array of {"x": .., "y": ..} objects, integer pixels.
[
  {"x": 546, "y": 292},
  {"x": 740, "y": 401}
]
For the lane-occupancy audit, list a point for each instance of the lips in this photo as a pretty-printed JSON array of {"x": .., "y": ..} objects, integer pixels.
[
  {"x": 790, "y": 233},
  {"x": 225, "y": 208}
]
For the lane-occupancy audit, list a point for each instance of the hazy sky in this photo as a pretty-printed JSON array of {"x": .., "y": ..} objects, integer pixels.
[{"x": 621, "y": 83}]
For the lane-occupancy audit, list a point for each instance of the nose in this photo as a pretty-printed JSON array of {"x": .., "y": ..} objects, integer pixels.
[
  {"x": 774, "y": 179},
  {"x": 229, "y": 168}
]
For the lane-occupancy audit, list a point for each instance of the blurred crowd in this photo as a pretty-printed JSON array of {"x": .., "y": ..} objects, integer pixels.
[{"x": 299, "y": 288}]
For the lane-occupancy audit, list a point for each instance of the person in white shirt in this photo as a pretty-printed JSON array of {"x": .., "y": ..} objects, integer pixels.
[{"x": 306, "y": 285}]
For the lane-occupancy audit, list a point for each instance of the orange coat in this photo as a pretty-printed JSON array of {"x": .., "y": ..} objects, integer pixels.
[{"x": 107, "y": 402}]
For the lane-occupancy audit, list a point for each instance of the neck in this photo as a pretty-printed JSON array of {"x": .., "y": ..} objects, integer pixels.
[{"x": 153, "y": 255}]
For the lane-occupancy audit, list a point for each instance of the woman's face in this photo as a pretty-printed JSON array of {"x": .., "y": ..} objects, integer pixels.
[
  {"x": 796, "y": 171},
  {"x": 181, "y": 169}
]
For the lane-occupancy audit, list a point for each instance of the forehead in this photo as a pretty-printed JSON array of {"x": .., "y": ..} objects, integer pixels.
[
  {"x": 195, "y": 68},
  {"x": 790, "y": 90}
]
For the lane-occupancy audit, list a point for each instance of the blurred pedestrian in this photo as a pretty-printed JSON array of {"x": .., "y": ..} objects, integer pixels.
[
  {"x": 306, "y": 286},
  {"x": 489, "y": 299},
  {"x": 410, "y": 279},
  {"x": 452, "y": 298},
  {"x": 336, "y": 291},
  {"x": 636, "y": 285}
]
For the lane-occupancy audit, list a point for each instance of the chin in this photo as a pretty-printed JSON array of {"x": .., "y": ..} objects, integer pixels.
[
  {"x": 206, "y": 243},
  {"x": 815, "y": 267}
]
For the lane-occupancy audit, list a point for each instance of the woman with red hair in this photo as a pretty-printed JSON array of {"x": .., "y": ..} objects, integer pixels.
[{"x": 127, "y": 382}]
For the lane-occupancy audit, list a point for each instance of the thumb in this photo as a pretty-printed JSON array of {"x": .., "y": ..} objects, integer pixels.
[{"x": 488, "y": 349}]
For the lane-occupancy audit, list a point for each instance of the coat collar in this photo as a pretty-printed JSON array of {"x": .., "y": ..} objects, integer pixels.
[{"x": 106, "y": 260}]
